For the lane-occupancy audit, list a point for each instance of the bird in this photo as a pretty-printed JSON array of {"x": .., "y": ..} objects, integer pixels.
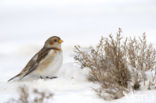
[{"x": 45, "y": 63}]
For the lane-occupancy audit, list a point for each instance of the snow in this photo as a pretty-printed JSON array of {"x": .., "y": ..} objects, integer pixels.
[
  {"x": 26, "y": 24},
  {"x": 71, "y": 86}
]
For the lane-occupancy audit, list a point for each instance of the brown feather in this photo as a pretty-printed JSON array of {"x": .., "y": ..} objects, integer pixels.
[
  {"x": 14, "y": 77},
  {"x": 33, "y": 64},
  {"x": 41, "y": 55}
]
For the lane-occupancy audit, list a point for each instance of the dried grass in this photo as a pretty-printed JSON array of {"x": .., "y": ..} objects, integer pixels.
[
  {"x": 118, "y": 64},
  {"x": 31, "y": 97}
]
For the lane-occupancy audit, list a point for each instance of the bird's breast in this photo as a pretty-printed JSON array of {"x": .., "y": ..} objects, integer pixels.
[{"x": 50, "y": 65}]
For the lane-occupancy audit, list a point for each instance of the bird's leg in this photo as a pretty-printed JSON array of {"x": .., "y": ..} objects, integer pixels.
[
  {"x": 53, "y": 77},
  {"x": 41, "y": 77},
  {"x": 48, "y": 77}
]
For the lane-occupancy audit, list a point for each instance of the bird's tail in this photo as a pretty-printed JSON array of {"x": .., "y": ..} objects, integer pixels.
[{"x": 14, "y": 77}]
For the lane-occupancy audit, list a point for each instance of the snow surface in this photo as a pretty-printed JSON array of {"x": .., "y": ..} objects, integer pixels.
[
  {"x": 71, "y": 86},
  {"x": 26, "y": 24}
]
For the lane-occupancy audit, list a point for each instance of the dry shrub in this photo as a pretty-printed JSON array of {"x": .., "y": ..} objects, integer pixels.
[
  {"x": 141, "y": 58},
  {"x": 31, "y": 97},
  {"x": 117, "y": 64}
]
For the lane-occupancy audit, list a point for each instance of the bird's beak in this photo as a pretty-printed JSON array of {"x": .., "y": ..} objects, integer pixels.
[{"x": 60, "y": 41}]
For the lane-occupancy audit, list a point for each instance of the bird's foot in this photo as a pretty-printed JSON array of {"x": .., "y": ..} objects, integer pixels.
[
  {"x": 41, "y": 77},
  {"x": 53, "y": 77},
  {"x": 47, "y": 77}
]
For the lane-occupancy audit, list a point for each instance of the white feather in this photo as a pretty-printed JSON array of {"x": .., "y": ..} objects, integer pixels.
[{"x": 53, "y": 67}]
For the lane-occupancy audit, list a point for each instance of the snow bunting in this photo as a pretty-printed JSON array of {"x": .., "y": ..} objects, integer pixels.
[{"x": 45, "y": 63}]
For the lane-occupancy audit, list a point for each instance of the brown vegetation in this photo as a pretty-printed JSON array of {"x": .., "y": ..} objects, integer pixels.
[
  {"x": 118, "y": 64},
  {"x": 31, "y": 97}
]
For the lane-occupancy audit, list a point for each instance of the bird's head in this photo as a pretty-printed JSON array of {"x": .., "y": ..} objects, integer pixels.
[{"x": 53, "y": 42}]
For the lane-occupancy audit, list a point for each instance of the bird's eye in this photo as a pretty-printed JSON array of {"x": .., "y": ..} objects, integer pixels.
[{"x": 55, "y": 40}]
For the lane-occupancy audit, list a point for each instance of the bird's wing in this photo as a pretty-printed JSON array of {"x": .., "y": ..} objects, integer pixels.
[
  {"x": 35, "y": 61},
  {"x": 31, "y": 66}
]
